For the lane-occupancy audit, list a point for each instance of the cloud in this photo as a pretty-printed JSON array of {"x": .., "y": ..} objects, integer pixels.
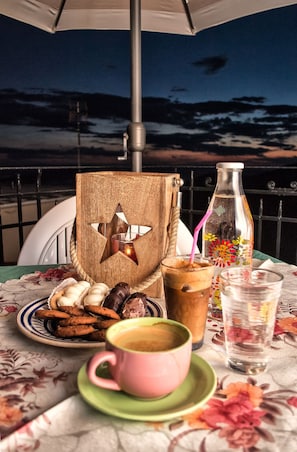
[
  {"x": 110, "y": 66},
  {"x": 254, "y": 99},
  {"x": 211, "y": 65},
  {"x": 178, "y": 89},
  {"x": 280, "y": 154},
  {"x": 240, "y": 127}
]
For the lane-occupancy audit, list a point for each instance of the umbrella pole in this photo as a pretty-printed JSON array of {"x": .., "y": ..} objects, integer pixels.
[{"x": 136, "y": 129}]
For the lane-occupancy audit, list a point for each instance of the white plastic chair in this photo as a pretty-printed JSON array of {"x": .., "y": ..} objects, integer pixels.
[
  {"x": 49, "y": 240},
  {"x": 184, "y": 240}
]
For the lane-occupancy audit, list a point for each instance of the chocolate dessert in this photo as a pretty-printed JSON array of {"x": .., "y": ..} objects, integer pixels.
[
  {"x": 117, "y": 295},
  {"x": 134, "y": 306}
]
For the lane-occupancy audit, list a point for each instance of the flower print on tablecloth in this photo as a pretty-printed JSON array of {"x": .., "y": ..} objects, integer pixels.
[
  {"x": 22, "y": 380},
  {"x": 14, "y": 293},
  {"x": 241, "y": 414},
  {"x": 58, "y": 274},
  {"x": 285, "y": 330}
]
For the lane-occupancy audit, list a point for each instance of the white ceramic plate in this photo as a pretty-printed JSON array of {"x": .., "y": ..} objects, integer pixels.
[{"x": 42, "y": 330}]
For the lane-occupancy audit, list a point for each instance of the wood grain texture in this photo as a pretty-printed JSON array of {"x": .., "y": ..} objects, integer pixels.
[{"x": 146, "y": 199}]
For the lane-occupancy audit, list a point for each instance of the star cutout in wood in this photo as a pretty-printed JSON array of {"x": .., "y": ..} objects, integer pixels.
[{"x": 120, "y": 235}]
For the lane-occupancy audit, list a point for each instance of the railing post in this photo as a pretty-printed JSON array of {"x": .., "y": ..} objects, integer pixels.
[
  {"x": 260, "y": 224},
  {"x": 38, "y": 197},
  {"x": 1, "y": 243},
  {"x": 279, "y": 229},
  {"x": 20, "y": 210},
  {"x": 191, "y": 219}
]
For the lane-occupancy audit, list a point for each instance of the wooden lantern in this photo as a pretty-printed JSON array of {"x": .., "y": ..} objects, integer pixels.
[{"x": 147, "y": 201}]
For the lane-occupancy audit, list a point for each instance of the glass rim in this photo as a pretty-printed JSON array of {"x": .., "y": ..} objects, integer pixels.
[
  {"x": 230, "y": 165},
  {"x": 181, "y": 257},
  {"x": 236, "y": 271},
  {"x": 138, "y": 322}
]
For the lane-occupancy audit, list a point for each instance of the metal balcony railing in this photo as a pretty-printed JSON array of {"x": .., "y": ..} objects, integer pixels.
[{"x": 27, "y": 193}]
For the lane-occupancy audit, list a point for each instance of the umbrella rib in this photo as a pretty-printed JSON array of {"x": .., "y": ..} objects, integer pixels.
[
  {"x": 188, "y": 15},
  {"x": 62, "y": 4}
]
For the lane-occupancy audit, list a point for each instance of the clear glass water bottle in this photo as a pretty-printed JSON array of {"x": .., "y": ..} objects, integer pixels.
[{"x": 228, "y": 234}]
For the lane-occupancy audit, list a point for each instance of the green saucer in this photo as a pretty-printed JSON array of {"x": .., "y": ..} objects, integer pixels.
[{"x": 194, "y": 392}]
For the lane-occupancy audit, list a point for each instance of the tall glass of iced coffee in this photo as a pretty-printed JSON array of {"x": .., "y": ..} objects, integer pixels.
[{"x": 187, "y": 290}]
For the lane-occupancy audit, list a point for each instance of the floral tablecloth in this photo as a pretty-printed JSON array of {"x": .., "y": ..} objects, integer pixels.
[{"x": 41, "y": 409}]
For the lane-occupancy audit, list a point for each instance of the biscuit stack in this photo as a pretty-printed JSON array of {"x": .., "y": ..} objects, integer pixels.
[{"x": 78, "y": 309}]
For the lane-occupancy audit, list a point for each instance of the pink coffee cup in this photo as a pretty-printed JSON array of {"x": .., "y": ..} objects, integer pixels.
[{"x": 147, "y": 357}]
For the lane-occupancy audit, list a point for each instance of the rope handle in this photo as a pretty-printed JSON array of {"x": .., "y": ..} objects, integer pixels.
[{"x": 153, "y": 277}]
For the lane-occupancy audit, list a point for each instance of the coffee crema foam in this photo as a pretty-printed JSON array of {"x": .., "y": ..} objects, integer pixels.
[
  {"x": 154, "y": 338},
  {"x": 187, "y": 277}
]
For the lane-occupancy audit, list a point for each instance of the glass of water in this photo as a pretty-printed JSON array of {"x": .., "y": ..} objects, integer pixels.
[{"x": 249, "y": 302}]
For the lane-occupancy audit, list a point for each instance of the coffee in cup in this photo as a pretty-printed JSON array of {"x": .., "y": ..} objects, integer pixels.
[
  {"x": 148, "y": 357},
  {"x": 187, "y": 288}
]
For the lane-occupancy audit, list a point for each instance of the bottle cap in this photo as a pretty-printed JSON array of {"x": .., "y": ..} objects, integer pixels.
[{"x": 230, "y": 165}]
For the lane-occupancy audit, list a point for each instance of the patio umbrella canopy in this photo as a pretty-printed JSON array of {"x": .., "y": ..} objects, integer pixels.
[{"x": 186, "y": 17}]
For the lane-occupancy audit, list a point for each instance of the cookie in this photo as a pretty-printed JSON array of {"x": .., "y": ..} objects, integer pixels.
[
  {"x": 72, "y": 310},
  {"x": 74, "y": 330},
  {"x": 79, "y": 320},
  {"x": 98, "y": 335},
  {"x": 51, "y": 314},
  {"x": 96, "y": 294},
  {"x": 103, "y": 311},
  {"x": 104, "y": 324}
]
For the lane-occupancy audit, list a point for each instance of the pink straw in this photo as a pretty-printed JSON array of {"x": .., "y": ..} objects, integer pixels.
[{"x": 196, "y": 233}]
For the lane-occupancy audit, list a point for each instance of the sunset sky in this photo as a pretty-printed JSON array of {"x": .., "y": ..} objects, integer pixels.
[{"x": 230, "y": 89}]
